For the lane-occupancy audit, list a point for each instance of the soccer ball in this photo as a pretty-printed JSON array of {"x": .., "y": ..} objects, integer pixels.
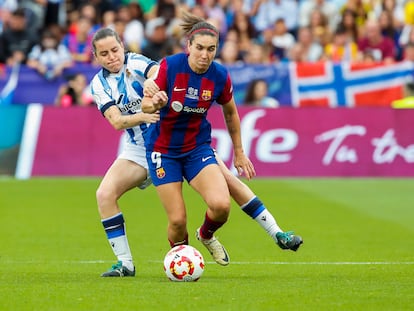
[{"x": 183, "y": 263}]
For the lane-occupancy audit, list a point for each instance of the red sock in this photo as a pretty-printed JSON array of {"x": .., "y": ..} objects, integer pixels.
[
  {"x": 209, "y": 227},
  {"x": 183, "y": 242}
]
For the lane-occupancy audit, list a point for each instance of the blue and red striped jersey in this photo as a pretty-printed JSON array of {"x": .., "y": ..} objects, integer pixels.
[{"x": 183, "y": 121}]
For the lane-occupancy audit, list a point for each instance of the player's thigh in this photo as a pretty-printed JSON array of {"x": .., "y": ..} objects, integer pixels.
[
  {"x": 171, "y": 196},
  {"x": 211, "y": 185},
  {"x": 122, "y": 176}
]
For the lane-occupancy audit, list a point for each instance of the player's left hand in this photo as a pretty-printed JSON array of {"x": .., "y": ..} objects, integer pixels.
[{"x": 244, "y": 166}]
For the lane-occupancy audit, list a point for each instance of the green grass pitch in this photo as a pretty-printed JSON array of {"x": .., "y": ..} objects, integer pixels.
[{"x": 358, "y": 251}]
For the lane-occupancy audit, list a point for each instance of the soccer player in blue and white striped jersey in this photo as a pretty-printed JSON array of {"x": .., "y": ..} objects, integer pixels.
[{"x": 117, "y": 90}]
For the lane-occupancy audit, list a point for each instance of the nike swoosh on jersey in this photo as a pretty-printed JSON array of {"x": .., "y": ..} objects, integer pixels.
[
  {"x": 176, "y": 89},
  {"x": 205, "y": 159}
]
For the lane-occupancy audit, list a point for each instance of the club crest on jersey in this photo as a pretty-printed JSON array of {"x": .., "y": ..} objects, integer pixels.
[
  {"x": 206, "y": 95},
  {"x": 160, "y": 172}
]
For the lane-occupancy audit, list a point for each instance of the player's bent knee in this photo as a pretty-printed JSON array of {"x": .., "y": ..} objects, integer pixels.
[{"x": 104, "y": 196}]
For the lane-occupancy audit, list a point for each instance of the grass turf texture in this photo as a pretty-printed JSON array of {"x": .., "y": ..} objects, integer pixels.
[{"x": 358, "y": 252}]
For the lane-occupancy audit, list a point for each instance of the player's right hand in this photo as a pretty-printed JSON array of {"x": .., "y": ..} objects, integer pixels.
[
  {"x": 159, "y": 100},
  {"x": 151, "y": 117}
]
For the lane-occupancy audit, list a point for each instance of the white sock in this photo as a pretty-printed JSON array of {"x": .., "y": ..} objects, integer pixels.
[
  {"x": 266, "y": 220},
  {"x": 122, "y": 251}
]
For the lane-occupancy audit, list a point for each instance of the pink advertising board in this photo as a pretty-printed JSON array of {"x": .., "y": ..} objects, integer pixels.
[
  {"x": 74, "y": 141},
  {"x": 323, "y": 141},
  {"x": 284, "y": 142}
]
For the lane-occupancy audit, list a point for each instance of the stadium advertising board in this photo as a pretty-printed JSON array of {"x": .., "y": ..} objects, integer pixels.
[
  {"x": 285, "y": 142},
  {"x": 324, "y": 142}
]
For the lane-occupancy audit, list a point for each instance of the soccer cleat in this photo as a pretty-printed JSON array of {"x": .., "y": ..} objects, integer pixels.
[
  {"x": 145, "y": 184},
  {"x": 215, "y": 248},
  {"x": 118, "y": 270},
  {"x": 287, "y": 240}
]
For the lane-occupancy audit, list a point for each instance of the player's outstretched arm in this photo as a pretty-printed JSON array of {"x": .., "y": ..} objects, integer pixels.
[
  {"x": 241, "y": 162},
  {"x": 121, "y": 122}
]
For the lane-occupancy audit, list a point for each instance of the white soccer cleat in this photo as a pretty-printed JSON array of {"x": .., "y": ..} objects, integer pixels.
[{"x": 215, "y": 248}]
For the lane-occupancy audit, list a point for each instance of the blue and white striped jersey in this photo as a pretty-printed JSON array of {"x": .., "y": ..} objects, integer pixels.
[{"x": 123, "y": 89}]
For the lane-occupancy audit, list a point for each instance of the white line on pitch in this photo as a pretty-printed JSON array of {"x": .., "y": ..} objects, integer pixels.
[{"x": 234, "y": 262}]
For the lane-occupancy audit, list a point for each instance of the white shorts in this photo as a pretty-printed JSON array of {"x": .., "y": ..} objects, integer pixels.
[{"x": 136, "y": 154}]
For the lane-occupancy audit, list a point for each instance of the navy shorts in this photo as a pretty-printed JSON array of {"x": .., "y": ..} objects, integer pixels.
[{"x": 165, "y": 169}]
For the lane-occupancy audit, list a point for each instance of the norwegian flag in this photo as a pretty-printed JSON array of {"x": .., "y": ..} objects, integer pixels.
[{"x": 328, "y": 84}]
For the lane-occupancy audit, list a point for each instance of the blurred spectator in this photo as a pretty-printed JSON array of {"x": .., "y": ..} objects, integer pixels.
[
  {"x": 326, "y": 7},
  {"x": 306, "y": 49},
  {"x": 320, "y": 27},
  {"x": 282, "y": 40},
  {"x": 108, "y": 19},
  {"x": 133, "y": 34},
  {"x": 215, "y": 11},
  {"x": 198, "y": 10},
  {"x": 80, "y": 42},
  {"x": 233, "y": 7},
  {"x": 395, "y": 7},
  {"x": 49, "y": 58},
  {"x": 388, "y": 29},
  {"x": 58, "y": 31},
  {"x": 55, "y": 13},
  {"x": 256, "y": 55},
  {"x": 71, "y": 20},
  {"x": 17, "y": 39},
  {"x": 361, "y": 9},
  {"x": 157, "y": 45},
  {"x": 246, "y": 32},
  {"x": 373, "y": 42},
  {"x": 166, "y": 9},
  {"x": 35, "y": 11},
  {"x": 408, "y": 52},
  {"x": 137, "y": 13},
  {"x": 348, "y": 22},
  {"x": 342, "y": 48},
  {"x": 91, "y": 12},
  {"x": 6, "y": 8},
  {"x": 75, "y": 92},
  {"x": 257, "y": 95},
  {"x": 266, "y": 12},
  {"x": 229, "y": 54},
  {"x": 406, "y": 37},
  {"x": 169, "y": 10},
  {"x": 407, "y": 34},
  {"x": 269, "y": 51}
]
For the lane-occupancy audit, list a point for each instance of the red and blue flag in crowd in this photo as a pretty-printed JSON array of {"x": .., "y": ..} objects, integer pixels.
[
  {"x": 326, "y": 84},
  {"x": 348, "y": 85}
]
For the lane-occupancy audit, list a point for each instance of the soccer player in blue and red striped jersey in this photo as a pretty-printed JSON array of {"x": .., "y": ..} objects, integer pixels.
[{"x": 178, "y": 146}]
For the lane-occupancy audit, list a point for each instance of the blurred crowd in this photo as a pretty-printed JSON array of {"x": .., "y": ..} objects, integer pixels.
[{"x": 51, "y": 35}]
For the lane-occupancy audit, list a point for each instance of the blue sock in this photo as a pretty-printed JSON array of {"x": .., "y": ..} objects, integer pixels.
[
  {"x": 253, "y": 208},
  {"x": 116, "y": 234}
]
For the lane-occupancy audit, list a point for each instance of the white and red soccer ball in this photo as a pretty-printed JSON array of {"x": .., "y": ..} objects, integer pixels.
[{"x": 183, "y": 263}]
